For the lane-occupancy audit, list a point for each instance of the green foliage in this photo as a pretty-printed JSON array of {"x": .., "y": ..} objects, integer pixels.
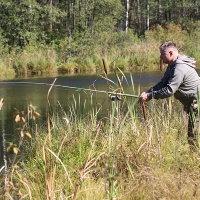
[
  {"x": 19, "y": 22},
  {"x": 85, "y": 32},
  {"x": 107, "y": 14},
  {"x": 121, "y": 63},
  {"x": 125, "y": 50},
  {"x": 171, "y": 31},
  {"x": 191, "y": 46}
]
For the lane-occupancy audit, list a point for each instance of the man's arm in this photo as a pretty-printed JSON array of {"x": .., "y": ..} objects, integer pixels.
[{"x": 175, "y": 80}]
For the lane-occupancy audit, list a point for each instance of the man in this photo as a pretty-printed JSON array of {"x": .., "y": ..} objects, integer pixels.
[{"x": 180, "y": 80}]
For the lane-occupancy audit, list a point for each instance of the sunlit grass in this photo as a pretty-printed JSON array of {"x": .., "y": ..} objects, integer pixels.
[
  {"x": 6, "y": 71},
  {"x": 126, "y": 159}
]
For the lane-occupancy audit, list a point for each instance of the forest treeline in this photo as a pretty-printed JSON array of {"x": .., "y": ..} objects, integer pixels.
[{"x": 38, "y": 36}]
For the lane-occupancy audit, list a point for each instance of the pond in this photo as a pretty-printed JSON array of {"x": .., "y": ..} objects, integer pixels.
[{"x": 20, "y": 92}]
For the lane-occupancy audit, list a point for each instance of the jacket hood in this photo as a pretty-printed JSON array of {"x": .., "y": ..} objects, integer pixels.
[{"x": 183, "y": 59}]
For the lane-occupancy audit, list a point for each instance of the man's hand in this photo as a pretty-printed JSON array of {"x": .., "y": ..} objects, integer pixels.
[{"x": 143, "y": 97}]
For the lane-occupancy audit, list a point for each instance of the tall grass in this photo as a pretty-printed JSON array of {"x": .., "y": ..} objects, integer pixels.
[
  {"x": 29, "y": 62},
  {"x": 141, "y": 160},
  {"x": 6, "y": 70}
]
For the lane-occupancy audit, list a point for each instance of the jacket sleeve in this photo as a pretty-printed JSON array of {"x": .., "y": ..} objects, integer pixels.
[{"x": 169, "y": 84}]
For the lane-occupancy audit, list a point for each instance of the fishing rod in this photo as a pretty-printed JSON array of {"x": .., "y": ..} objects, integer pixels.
[
  {"x": 75, "y": 88},
  {"x": 116, "y": 95}
]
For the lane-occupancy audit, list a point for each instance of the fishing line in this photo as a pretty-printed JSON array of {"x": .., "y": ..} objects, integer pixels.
[
  {"x": 74, "y": 88},
  {"x": 116, "y": 96}
]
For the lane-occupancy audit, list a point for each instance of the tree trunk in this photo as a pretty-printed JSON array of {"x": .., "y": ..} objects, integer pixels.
[
  {"x": 139, "y": 16},
  {"x": 197, "y": 8},
  {"x": 159, "y": 10},
  {"x": 74, "y": 14},
  {"x": 68, "y": 27},
  {"x": 148, "y": 7},
  {"x": 50, "y": 22},
  {"x": 92, "y": 20},
  {"x": 127, "y": 14}
]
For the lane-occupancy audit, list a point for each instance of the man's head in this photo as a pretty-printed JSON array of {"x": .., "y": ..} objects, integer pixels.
[{"x": 168, "y": 52}]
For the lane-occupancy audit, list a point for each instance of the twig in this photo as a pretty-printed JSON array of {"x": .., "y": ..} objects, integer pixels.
[{"x": 48, "y": 114}]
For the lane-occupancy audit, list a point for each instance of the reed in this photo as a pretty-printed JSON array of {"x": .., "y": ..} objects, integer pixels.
[{"x": 31, "y": 62}]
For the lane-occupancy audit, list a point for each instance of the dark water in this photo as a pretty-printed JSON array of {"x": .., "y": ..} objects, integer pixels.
[{"x": 20, "y": 95}]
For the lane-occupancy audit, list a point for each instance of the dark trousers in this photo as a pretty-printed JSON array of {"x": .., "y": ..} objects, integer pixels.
[{"x": 193, "y": 123}]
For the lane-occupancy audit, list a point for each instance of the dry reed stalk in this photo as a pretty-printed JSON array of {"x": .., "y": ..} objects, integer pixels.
[
  {"x": 58, "y": 159},
  {"x": 48, "y": 114},
  {"x": 63, "y": 140},
  {"x": 141, "y": 147},
  {"x": 121, "y": 91},
  {"x": 49, "y": 183},
  {"x": 119, "y": 81},
  {"x": 105, "y": 67},
  {"x": 26, "y": 185},
  {"x": 8, "y": 196},
  {"x": 169, "y": 101},
  {"x": 89, "y": 163},
  {"x": 106, "y": 74},
  {"x": 49, "y": 179},
  {"x": 149, "y": 143}
]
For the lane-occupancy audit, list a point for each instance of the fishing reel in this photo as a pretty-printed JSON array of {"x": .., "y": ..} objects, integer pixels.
[{"x": 115, "y": 98}]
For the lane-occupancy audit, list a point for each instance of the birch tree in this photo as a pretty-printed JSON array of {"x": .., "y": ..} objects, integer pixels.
[
  {"x": 50, "y": 15},
  {"x": 159, "y": 9},
  {"x": 127, "y": 15},
  {"x": 148, "y": 7}
]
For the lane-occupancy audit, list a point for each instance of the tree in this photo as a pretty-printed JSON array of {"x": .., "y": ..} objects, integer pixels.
[
  {"x": 19, "y": 21},
  {"x": 127, "y": 14}
]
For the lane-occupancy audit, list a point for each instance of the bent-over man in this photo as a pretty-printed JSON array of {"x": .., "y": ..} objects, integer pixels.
[{"x": 181, "y": 80}]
